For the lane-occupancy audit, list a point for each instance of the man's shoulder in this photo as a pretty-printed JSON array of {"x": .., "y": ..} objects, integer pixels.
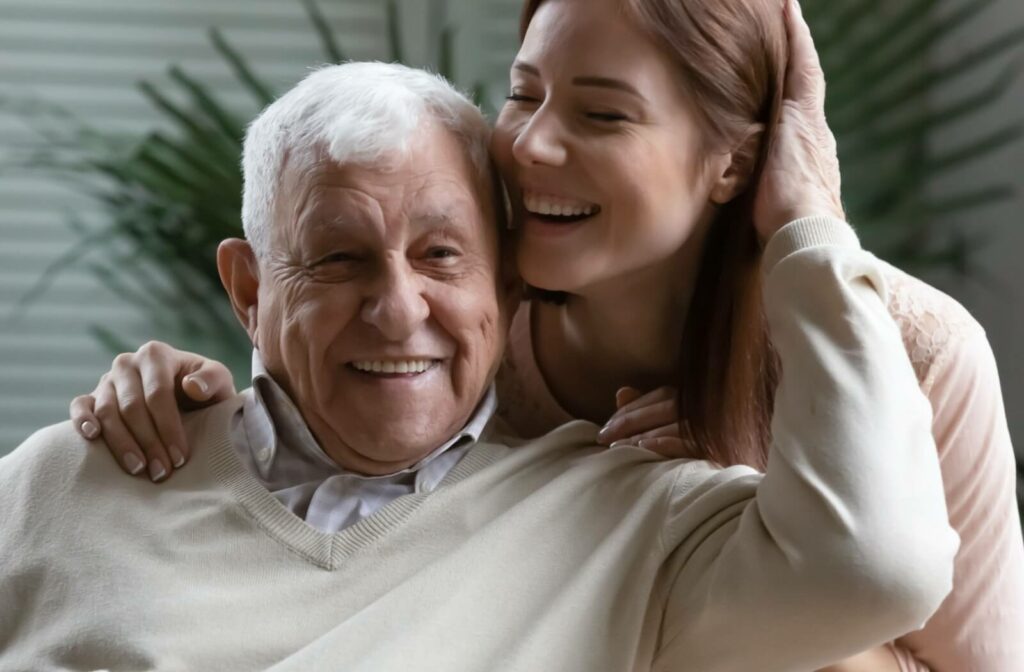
[
  {"x": 48, "y": 452},
  {"x": 56, "y": 462},
  {"x": 214, "y": 420},
  {"x": 571, "y": 453}
]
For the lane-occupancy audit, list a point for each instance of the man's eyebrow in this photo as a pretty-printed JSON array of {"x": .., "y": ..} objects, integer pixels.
[{"x": 438, "y": 221}]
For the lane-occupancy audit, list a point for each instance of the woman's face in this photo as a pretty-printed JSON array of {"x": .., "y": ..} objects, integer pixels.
[{"x": 602, "y": 153}]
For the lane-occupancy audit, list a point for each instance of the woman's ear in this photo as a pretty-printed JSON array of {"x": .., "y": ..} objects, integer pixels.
[
  {"x": 735, "y": 179},
  {"x": 240, "y": 275}
]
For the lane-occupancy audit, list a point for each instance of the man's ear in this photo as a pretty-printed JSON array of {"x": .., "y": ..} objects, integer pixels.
[
  {"x": 240, "y": 275},
  {"x": 735, "y": 178}
]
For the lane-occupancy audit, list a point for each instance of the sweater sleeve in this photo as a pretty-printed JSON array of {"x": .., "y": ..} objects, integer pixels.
[
  {"x": 844, "y": 543},
  {"x": 978, "y": 627}
]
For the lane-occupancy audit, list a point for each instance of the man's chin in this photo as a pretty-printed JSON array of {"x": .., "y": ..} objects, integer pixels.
[{"x": 391, "y": 445}]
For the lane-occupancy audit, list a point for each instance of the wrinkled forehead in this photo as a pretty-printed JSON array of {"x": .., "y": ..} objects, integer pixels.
[{"x": 431, "y": 182}]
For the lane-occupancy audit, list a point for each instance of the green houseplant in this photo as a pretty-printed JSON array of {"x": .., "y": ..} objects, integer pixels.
[{"x": 170, "y": 197}]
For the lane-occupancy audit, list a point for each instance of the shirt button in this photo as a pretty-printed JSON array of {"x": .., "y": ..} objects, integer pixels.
[{"x": 263, "y": 454}]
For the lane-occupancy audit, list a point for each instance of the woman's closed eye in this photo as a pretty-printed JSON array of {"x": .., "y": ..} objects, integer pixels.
[
  {"x": 516, "y": 97},
  {"x": 607, "y": 117}
]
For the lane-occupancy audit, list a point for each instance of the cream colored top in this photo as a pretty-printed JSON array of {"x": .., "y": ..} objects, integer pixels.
[
  {"x": 980, "y": 626},
  {"x": 553, "y": 555}
]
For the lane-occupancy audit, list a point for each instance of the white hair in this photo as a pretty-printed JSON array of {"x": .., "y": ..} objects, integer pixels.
[{"x": 356, "y": 113}]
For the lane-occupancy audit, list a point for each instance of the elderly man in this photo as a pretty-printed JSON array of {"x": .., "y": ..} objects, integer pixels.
[{"x": 371, "y": 285}]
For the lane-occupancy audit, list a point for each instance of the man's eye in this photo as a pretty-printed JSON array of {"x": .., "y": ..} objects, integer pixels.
[
  {"x": 338, "y": 258},
  {"x": 442, "y": 253}
]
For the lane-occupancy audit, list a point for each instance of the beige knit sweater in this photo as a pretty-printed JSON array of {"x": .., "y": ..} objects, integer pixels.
[{"x": 556, "y": 555}]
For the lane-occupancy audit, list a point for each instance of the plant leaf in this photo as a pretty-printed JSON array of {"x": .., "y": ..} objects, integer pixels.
[
  {"x": 394, "y": 32},
  {"x": 323, "y": 30},
  {"x": 260, "y": 91}
]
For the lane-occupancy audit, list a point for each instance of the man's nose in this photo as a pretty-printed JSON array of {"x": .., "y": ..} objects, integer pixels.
[
  {"x": 395, "y": 304},
  {"x": 541, "y": 141}
]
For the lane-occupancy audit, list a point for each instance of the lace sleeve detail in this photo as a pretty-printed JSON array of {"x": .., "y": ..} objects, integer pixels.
[{"x": 930, "y": 322}]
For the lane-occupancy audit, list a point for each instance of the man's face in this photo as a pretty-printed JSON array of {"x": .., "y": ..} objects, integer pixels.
[{"x": 380, "y": 306}]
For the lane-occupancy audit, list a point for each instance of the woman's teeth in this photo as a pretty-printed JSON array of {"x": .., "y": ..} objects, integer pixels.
[
  {"x": 543, "y": 205},
  {"x": 392, "y": 366}
]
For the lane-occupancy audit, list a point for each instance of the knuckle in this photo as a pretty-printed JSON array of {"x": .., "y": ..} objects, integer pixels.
[
  {"x": 132, "y": 406},
  {"x": 106, "y": 413},
  {"x": 155, "y": 395}
]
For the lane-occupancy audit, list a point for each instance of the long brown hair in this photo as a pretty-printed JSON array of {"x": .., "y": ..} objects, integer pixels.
[{"x": 731, "y": 58}]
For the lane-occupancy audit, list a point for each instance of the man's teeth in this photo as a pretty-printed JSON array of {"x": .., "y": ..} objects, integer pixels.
[
  {"x": 545, "y": 205},
  {"x": 392, "y": 366}
]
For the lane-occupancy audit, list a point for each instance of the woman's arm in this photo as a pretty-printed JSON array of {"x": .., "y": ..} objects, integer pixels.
[{"x": 980, "y": 625}]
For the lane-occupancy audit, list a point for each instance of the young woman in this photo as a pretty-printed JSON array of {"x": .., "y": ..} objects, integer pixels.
[{"x": 632, "y": 142}]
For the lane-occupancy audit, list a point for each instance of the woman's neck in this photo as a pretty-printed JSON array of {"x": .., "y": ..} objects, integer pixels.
[{"x": 623, "y": 332}]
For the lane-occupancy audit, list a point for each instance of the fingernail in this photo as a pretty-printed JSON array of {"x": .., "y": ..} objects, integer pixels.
[
  {"x": 201, "y": 384},
  {"x": 133, "y": 464},
  {"x": 621, "y": 443},
  {"x": 608, "y": 427},
  {"x": 177, "y": 459},
  {"x": 640, "y": 444},
  {"x": 157, "y": 472},
  {"x": 90, "y": 430}
]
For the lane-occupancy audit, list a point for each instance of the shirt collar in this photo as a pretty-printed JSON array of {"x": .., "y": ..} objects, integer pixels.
[{"x": 276, "y": 419}]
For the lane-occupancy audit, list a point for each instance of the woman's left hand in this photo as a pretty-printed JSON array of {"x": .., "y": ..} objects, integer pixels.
[{"x": 650, "y": 421}]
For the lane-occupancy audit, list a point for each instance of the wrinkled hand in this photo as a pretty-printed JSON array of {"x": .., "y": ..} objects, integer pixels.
[
  {"x": 650, "y": 421},
  {"x": 137, "y": 406},
  {"x": 801, "y": 175}
]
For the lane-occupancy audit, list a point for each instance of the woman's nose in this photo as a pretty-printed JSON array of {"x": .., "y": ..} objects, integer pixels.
[
  {"x": 541, "y": 141},
  {"x": 396, "y": 305}
]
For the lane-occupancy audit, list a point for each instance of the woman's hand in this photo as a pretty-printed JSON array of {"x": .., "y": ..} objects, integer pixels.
[
  {"x": 137, "y": 406},
  {"x": 649, "y": 420},
  {"x": 801, "y": 175}
]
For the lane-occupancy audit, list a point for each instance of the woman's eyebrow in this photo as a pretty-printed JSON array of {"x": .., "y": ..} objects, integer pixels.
[
  {"x": 601, "y": 82},
  {"x": 528, "y": 68},
  {"x": 608, "y": 83}
]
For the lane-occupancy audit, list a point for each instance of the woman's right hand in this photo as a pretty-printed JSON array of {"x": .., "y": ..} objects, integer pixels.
[{"x": 137, "y": 406}]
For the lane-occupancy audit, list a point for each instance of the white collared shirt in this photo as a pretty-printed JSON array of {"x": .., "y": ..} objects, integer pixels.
[{"x": 277, "y": 446}]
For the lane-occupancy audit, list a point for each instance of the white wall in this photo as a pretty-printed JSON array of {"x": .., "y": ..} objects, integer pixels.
[{"x": 87, "y": 57}]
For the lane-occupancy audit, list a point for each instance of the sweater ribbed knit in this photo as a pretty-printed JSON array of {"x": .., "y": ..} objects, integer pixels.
[{"x": 550, "y": 555}]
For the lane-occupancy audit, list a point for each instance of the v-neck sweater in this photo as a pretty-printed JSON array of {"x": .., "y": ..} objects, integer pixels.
[{"x": 552, "y": 554}]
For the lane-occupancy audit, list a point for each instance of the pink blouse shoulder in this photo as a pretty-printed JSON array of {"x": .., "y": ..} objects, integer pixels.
[{"x": 978, "y": 628}]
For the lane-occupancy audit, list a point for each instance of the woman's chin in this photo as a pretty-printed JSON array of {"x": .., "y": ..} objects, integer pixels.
[{"x": 550, "y": 273}]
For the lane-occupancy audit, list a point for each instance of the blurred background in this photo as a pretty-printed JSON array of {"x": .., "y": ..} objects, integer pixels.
[{"x": 121, "y": 121}]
